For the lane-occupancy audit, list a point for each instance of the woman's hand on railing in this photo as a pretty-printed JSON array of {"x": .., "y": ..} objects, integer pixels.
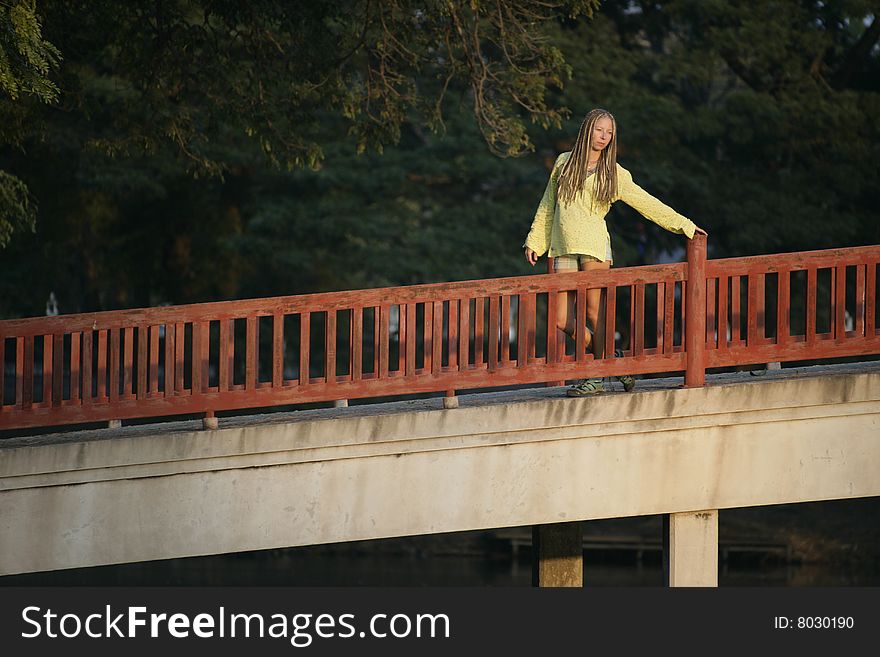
[
  {"x": 531, "y": 256},
  {"x": 700, "y": 231}
]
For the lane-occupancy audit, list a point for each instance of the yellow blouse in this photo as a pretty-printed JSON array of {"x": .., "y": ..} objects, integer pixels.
[{"x": 577, "y": 228}]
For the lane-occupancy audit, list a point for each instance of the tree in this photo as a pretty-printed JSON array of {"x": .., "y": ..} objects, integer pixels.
[
  {"x": 26, "y": 60},
  {"x": 197, "y": 74}
]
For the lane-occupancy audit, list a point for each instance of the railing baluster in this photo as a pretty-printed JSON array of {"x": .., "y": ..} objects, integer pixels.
[
  {"x": 330, "y": 347},
  {"x": 277, "y": 349},
  {"x": 384, "y": 338},
  {"x": 19, "y": 371},
  {"x": 580, "y": 328},
  {"x": 479, "y": 332},
  {"x": 832, "y": 302},
  {"x": 87, "y": 367},
  {"x": 504, "y": 357},
  {"x": 684, "y": 319},
  {"x": 437, "y": 339},
  {"x": 47, "y": 369},
  {"x": 493, "y": 332},
  {"x": 711, "y": 324},
  {"x": 639, "y": 319},
  {"x": 611, "y": 320},
  {"x": 3, "y": 400},
  {"x": 427, "y": 336},
  {"x": 115, "y": 335},
  {"x": 452, "y": 337},
  {"x": 721, "y": 318},
  {"x": 811, "y": 306},
  {"x": 840, "y": 293},
  {"x": 401, "y": 337},
  {"x": 552, "y": 299},
  {"x": 860, "y": 300},
  {"x": 201, "y": 344},
  {"x": 196, "y": 360},
  {"x": 669, "y": 318},
  {"x": 522, "y": 343},
  {"x": 632, "y": 319},
  {"x": 128, "y": 360},
  {"x": 464, "y": 334},
  {"x": 752, "y": 311},
  {"x": 735, "y": 315},
  {"x": 27, "y": 393},
  {"x": 532, "y": 319},
  {"x": 783, "y": 303},
  {"x": 305, "y": 345},
  {"x": 102, "y": 365},
  {"x": 154, "y": 360},
  {"x": 357, "y": 343},
  {"x": 661, "y": 290},
  {"x": 179, "y": 346},
  {"x": 251, "y": 354},
  {"x": 143, "y": 350},
  {"x": 225, "y": 363},
  {"x": 376, "y": 341},
  {"x": 170, "y": 339},
  {"x": 870, "y": 298},
  {"x": 760, "y": 308},
  {"x": 57, "y": 369},
  {"x": 410, "y": 364}
]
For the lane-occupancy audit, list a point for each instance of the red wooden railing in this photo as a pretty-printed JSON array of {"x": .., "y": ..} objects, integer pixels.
[{"x": 209, "y": 357}]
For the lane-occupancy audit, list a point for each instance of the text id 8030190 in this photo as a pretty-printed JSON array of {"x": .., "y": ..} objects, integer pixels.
[{"x": 813, "y": 623}]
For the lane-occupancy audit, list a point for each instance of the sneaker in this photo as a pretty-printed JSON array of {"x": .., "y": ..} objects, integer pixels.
[
  {"x": 628, "y": 381},
  {"x": 586, "y": 388}
]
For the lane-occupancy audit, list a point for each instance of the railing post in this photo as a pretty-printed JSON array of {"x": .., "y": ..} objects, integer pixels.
[
  {"x": 695, "y": 313},
  {"x": 210, "y": 421},
  {"x": 450, "y": 400}
]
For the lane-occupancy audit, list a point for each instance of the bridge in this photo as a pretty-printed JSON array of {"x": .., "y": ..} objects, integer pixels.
[{"x": 477, "y": 461}]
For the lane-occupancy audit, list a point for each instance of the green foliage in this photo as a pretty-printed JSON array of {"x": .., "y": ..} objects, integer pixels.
[
  {"x": 25, "y": 57},
  {"x": 25, "y": 62},
  {"x": 16, "y": 209}
]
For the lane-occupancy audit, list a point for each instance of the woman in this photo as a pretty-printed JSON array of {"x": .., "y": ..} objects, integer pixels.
[{"x": 570, "y": 225}]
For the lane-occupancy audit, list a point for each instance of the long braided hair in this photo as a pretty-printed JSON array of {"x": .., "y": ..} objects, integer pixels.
[{"x": 573, "y": 176}]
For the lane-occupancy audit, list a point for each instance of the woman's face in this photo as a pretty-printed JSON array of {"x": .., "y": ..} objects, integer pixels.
[{"x": 603, "y": 132}]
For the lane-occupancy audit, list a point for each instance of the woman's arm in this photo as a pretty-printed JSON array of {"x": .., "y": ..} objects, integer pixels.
[
  {"x": 538, "y": 239},
  {"x": 651, "y": 208}
]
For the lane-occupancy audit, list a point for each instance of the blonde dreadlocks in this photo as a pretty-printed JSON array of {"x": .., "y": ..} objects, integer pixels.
[{"x": 573, "y": 176}]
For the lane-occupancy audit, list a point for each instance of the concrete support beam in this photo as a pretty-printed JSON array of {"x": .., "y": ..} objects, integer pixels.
[
  {"x": 690, "y": 548},
  {"x": 508, "y": 459},
  {"x": 558, "y": 555}
]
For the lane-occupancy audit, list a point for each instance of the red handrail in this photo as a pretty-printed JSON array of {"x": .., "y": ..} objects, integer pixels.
[{"x": 209, "y": 357}]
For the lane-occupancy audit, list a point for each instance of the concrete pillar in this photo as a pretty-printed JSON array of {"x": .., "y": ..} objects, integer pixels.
[
  {"x": 340, "y": 403},
  {"x": 114, "y": 424},
  {"x": 558, "y": 555},
  {"x": 690, "y": 548}
]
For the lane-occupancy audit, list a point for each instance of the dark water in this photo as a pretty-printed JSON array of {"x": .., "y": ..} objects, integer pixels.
[{"x": 290, "y": 568}]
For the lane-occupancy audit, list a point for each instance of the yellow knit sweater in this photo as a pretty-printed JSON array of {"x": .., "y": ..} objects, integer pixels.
[{"x": 577, "y": 228}]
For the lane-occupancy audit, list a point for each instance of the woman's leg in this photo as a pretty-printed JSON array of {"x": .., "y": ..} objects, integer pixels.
[
  {"x": 566, "y": 314},
  {"x": 596, "y": 309},
  {"x": 565, "y": 302}
]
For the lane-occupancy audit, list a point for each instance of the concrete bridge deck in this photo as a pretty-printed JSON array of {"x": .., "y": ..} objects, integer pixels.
[{"x": 503, "y": 459}]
